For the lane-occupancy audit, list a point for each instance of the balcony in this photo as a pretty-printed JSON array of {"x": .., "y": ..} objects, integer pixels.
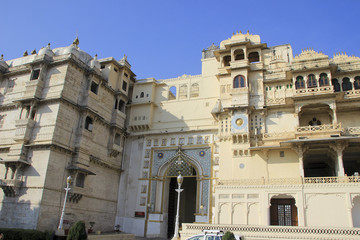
[
  {"x": 118, "y": 118},
  {"x": 315, "y": 90},
  {"x": 33, "y": 89},
  {"x": 23, "y": 129},
  {"x": 256, "y": 66},
  {"x": 331, "y": 129},
  {"x": 10, "y": 186},
  {"x": 239, "y": 64}
]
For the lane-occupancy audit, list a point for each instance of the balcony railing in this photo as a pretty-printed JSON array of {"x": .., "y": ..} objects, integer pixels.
[
  {"x": 291, "y": 181},
  {"x": 10, "y": 187},
  {"x": 319, "y": 128},
  {"x": 310, "y": 91},
  {"x": 273, "y": 232}
]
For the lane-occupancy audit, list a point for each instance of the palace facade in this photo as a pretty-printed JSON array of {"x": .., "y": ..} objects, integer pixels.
[{"x": 268, "y": 143}]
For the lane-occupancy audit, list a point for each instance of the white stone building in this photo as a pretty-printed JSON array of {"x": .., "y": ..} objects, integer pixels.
[
  {"x": 57, "y": 119},
  {"x": 265, "y": 139},
  {"x": 268, "y": 143}
]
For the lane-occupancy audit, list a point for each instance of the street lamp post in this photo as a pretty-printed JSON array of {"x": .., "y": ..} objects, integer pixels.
[
  {"x": 67, "y": 189},
  {"x": 179, "y": 190}
]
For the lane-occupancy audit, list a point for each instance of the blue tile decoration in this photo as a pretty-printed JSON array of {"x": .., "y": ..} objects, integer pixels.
[{"x": 200, "y": 155}]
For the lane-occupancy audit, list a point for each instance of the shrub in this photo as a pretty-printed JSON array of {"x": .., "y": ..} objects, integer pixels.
[
  {"x": 228, "y": 236},
  {"x": 77, "y": 231},
  {"x": 24, "y": 234}
]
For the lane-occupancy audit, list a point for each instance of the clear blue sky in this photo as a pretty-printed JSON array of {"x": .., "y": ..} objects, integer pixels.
[{"x": 164, "y": 38}]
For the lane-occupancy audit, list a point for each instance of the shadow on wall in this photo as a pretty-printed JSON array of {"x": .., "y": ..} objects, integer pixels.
[{"x": 18, "y": 214}]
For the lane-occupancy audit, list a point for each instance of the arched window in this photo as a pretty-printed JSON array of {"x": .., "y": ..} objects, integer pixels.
[
  {"x": 239, "y": 54},
  {"x": 183, "y": 91},
  {"x": 253, "y": 57},
  {"x": 88, "y": 123},
  {"x": 172, "y": 93},
  {"x": 323, "y": 81},
  {"x": 141, "y": 94},
  {"x": 194, "y": 91},
  {"x": 346, "y": 84},
  {"x": 299, "y": 83},
  {"x": 336, "y": 85},
  {"x": 311, "y": 83},
  {"x": 227, "y": 60},
  {"x": 239, "y": 82},
  {"x": 357, "y": 82},
  {"x": 122, "y": 106}
]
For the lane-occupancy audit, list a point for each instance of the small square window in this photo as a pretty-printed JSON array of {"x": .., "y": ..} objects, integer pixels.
[
  {"x": 156, "y": 142},
  {"x": 102, "y": 66},
  {"x": 191, "y": 140},
  {"x": 148, "y": 142},
  {"x": 80, "y": 180},
  {"x": 282, "y": 154},
  {"x": 89, "y": 124},
  {"x": 35, "y": 74},
  {"x": 117, "y": 139},
  {"x": 115, "y": 69},
  {"x": 126, "y": 75},
  {"x": 163, "y": 142},
  {"x": 172, "y": 141},
  {"x": 94, "y": 87},
  {"x": 182, "y": 141}
]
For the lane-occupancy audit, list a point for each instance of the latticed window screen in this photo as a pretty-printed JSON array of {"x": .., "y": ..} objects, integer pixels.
[
  {"x": 180, "y": 166},
  {"x": 284, "y": 215},
  {"x": 283, "y": 212}
]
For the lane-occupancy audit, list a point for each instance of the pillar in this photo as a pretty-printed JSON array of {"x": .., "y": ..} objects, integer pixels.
[
  {"x": 339, "y": 147},
  {"x": 299, "y": 149}
]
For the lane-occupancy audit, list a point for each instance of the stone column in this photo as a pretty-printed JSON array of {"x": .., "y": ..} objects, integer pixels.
[
  {"x": 299, "y": 149},
  {"x": 339, "y": 147},
  {"x": 333, "y": 108}
]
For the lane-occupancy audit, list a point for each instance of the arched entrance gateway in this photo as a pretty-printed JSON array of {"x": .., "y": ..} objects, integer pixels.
[{"x": 194, "y": 164}]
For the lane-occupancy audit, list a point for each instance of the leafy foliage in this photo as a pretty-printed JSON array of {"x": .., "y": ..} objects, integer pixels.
[
  {"x": 24, "y": 234},
  {"x": 228, "y": 236},
  {"x": 77, "y": 231}
]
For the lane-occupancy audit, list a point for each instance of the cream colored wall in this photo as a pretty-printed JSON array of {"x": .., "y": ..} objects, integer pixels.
[
  {"x": 349, "y": 119},
  {"x": 209, "y": 66},
  {"x": 281, "y": 120},
  {"x": 283, "y": 167}
]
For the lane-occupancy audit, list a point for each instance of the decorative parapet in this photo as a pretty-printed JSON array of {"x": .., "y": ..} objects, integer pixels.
[
  {"x": 277, "y": 136},
  {"x": 10, "y": 186},
  {"x": 275, "y": 101},
  {"x": 352, "y": 93},
  {"x": 319, "y": 129},
  {"x": 353, "y": 130},
  {"x": 274, "y": 232},
  {"x": 310, "y": 91},
  {"x": 289, "y": 181},
  {"x": 239, "y": 64}
]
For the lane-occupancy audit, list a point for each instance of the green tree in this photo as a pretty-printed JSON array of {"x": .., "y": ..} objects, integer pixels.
[{"x": 77, "y": 231}]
